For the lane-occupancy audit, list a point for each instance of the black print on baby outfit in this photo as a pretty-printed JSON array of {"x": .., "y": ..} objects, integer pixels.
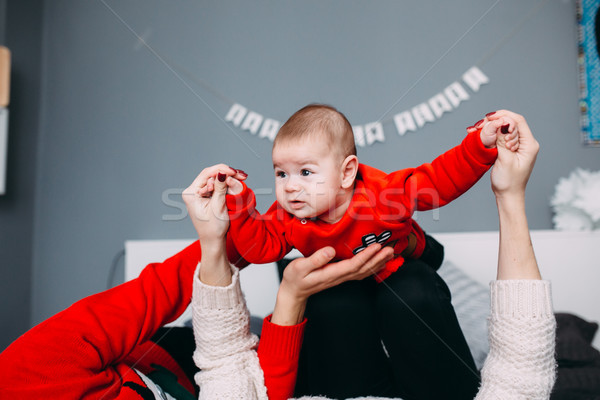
[{"x": 371, "y": 238}]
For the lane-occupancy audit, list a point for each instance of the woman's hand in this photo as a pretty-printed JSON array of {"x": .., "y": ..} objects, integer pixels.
[
  {"x": 304, "y": 277},
  {"x": 208, "y": 211},
  {"x": 205, "y": 200},
  {"x": 510, "y": 174},
  {"x": 512, "y": 169},
  {"x": 206, "y": 181}
]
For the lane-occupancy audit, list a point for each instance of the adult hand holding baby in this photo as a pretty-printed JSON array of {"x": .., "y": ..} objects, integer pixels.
[
  {"x": 304, "y": 277},
  {"x": 517, "y": 150},
  {"x": 509, "y": 178},
  {"x": 497, "y": 125},
  {"x": 232, "y": 177},
  {"x": 205, "y": 201},
  {"x": 514, "y": 165}
]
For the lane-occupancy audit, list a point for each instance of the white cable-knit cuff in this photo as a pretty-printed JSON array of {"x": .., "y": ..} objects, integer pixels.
[
  {"x": 521, "y": 298},
  {"x": 218, "y": 297}
]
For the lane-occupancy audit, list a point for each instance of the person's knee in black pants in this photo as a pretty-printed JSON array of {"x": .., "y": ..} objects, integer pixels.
[{"x": 428, "y": 352}]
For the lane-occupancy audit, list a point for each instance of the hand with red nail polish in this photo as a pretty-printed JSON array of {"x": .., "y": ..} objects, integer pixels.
[
  {"x": 242, "y": 173},
  {"x": 234, "y": 186},
  {"x": 509, "y": 134},
  {"x": 517, "y": 151},
  {"x": 220, "y": 172},
  {"x": 208, "y": 211}
]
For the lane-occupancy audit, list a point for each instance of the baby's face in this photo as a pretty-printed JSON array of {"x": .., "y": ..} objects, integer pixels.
[{"x": 308, "y": 177}]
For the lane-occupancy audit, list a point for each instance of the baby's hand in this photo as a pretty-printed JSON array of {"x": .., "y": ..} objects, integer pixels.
[
  {"x": 501, "y": 131},
  {"x": 225, "y": 174},
  {"x": 508, "y": 136},
  {"x": 234, "y": 186}
]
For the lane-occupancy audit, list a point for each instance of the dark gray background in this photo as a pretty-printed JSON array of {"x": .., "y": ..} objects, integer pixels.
[{"x": 102, "y": 130}]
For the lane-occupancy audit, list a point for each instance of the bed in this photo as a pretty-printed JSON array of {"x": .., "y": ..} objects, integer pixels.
[{"x": 571, "y": 260}]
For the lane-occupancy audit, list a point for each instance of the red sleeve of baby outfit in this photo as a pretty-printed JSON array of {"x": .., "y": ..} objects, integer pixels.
[
  {"x": 278, "y": 353},
  {"x": 434, "y": 185},
  {"x": 259, "y": 238}
]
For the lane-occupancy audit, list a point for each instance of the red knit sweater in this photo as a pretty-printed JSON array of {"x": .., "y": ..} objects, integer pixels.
[
  {"x": 380, "y": 211},
  {"x": 88, "y": 351}
]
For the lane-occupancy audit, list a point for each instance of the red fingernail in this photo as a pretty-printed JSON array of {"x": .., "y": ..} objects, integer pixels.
[
  {"x": 504, "y": 128},
  {"x": 221, "y": 177},
  {"x": 470, "y": 127},
  {"x": 477, "y": 123},
  {"x": 239, "y": 171},
  {"x": 490, "y": 114}
]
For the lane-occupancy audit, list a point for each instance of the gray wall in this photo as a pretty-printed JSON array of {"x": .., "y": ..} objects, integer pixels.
[
  {"x": 120, "y": 128},
  {"x": 20, "y": 30}
]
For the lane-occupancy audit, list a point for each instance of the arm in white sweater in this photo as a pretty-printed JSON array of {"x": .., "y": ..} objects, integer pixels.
[
  {"x": 225, "y": 348},
  {"x": 521, "y": 362}
]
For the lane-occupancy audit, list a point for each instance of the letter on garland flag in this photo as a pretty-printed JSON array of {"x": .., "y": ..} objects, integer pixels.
[
  {"x": 236, "y": 114},
  {"x": 252, "y": 122},
  {"x": 439, "y": 105},
  {"x": 474, "y": 78},
  {"x": 422, "y": 114},
  {"x": 269, "y": 129},
  {"x": 359, "y": 135},
  {"x": 455, "y": 93},
  {"x": 404, "y": 122},
  {"x": 374, "y": 133}
]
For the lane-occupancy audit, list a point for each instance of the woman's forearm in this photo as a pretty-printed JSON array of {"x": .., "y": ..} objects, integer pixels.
[
  {"x": 289, "y": 310},
  {"x": 516, "y": 259},
  {"x": 214, "y": 269}
]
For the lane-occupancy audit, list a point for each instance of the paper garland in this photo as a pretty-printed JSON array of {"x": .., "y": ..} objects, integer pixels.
[{"x": 409, "y": 120}]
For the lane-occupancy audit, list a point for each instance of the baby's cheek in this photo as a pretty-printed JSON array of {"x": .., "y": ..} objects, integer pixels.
[
  {"x": 279, "y": 193},
  {"x": 317, "y": 189}
]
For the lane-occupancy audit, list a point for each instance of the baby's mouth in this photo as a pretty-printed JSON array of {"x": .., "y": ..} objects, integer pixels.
[{"x": 295, "y": 204}]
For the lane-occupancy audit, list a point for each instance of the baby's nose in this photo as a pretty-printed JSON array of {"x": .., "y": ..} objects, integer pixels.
[{"x": 292, "y": 185}]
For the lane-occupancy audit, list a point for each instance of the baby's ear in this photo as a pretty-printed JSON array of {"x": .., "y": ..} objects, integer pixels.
[{"x": 349, "y": 171}]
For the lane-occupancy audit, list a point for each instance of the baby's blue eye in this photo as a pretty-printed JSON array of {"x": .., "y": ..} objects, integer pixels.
[
  {"x": 305, "y": 172},
  {"x": 280, "y": 174}
]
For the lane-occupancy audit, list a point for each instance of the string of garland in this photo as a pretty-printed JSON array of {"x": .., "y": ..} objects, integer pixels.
[{"x": 368, "y": 134}]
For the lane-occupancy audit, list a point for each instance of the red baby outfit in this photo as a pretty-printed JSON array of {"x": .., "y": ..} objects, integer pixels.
[{"x": 380, "y": 211}]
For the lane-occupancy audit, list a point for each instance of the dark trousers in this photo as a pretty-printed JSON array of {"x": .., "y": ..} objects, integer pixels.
[{"x": 411, "y": 314}]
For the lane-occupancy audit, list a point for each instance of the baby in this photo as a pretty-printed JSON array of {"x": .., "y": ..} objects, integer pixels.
[{"x": 325, "y": 197}]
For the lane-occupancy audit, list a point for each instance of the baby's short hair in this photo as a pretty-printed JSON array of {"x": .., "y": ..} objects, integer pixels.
[{"x": 319, "y": 119}]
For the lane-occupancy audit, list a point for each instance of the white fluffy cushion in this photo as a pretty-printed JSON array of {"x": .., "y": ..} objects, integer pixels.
[{"x": 471, "y": 301}]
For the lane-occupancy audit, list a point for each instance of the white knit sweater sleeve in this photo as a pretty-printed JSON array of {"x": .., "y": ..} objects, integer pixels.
[
  {"x": 225, "y": 348},
  {"x": 521, "y": 362}
]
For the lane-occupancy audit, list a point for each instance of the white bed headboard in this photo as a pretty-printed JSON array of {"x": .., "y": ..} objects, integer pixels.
[
  {"x": 571, "y": 260},
  {"x": 259, "y": 282}
]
